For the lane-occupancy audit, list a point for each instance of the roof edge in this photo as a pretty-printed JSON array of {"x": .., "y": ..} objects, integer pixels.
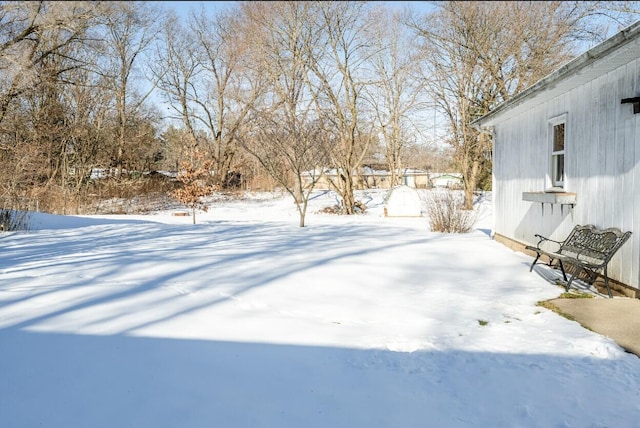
[{"x": 600, "y": 50}]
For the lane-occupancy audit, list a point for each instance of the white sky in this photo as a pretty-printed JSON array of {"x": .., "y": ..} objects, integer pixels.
[{"x": 247, "y": 320}]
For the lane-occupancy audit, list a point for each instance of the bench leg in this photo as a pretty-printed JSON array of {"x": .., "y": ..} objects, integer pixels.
[
  {"x": 573, "y": 275},
  {"x": 534, "y": 262},
  {"x": 606, "y": 282},
  {"x": 568, "y": 285},
  {"x": 564, "y": 274}
]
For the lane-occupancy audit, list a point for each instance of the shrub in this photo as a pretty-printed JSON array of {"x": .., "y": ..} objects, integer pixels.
[
  {"x": 447, "y": 214},
  {"x": 13, "y": 220},
  {"x": 195, "y": 187},
  {"x": 360, "y": 208}
]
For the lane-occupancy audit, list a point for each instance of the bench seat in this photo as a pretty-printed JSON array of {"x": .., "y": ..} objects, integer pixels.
[{"x": 587, "y": 248}]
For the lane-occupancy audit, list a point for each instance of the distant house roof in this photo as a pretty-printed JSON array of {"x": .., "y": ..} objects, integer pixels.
[
  {"x": 435, "y": 175},
  {"x": 619, "y": 50},
  {"x": 366, "y": 171}
]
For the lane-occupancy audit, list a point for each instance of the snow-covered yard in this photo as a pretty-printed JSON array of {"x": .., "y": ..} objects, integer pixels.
[{"x": 247, "y": 320}]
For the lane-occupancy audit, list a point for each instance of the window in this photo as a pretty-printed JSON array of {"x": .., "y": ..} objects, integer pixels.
[
  {"x": 558, "y": 137},
  {"x": 557, "y": 156}
]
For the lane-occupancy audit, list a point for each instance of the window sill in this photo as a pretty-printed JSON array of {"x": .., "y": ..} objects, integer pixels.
[{"x": 552, "y": 196}]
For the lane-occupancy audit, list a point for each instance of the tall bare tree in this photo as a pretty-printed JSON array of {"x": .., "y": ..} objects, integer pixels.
[
  {"x": 475, "y": 61},
  {"x": 130, "y": 30},
  {"x": 285, "y": 136},
  {"x": 337, "y": 74},
  {"x": 178, "y": 67},
  {"x": 211, "y": 84},
  {"x": 33, "y": 32},
  {"x": 41, "y": 49},
  {"x": 89, "y": 121},
  {"x": 397, "y": 94}
]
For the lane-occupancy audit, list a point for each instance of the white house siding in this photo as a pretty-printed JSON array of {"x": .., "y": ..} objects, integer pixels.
[{"x": 602, "y": 165}]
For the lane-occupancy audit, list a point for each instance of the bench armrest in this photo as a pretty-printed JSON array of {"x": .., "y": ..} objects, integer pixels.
[{"x": 542, "y": 239}]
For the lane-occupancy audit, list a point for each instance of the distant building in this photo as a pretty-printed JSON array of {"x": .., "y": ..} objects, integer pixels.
[
  {"x": 370, "y": 178},
  {"x": 450, "y": 180}
]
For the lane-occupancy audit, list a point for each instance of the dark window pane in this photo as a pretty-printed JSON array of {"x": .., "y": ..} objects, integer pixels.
[
  {"x": 558, "y": 169},
  {"x": 558, "y": 137}
]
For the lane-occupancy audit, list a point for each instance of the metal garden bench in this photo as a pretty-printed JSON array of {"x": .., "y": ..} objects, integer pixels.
[{"x": 587, "y": 248}]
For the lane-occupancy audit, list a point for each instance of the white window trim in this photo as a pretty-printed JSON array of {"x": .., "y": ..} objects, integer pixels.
[{"x": 556, "y": 120}]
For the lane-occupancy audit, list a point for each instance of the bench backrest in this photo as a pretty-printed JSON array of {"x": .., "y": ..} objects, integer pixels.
[{"x": 592, "y": 245}]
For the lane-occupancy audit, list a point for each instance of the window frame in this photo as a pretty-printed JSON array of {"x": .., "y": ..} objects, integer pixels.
[{"x": 552, "y": 179}]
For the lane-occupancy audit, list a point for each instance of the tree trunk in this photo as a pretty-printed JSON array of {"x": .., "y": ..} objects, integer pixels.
[
  {"x": 470, "y": 185},
  {"x": 302, "y": 211},
  {"x": 349, "y": 199}
]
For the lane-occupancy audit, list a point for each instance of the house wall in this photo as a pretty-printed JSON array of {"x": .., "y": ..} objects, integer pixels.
[{"x": 602, "y": 155}]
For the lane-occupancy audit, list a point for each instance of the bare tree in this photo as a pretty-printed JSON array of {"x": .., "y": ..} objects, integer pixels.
[
  {"x": 337, "y": 76},
  {"x": 41, "y": 51},
  {"x": 476, "y": 62},
  {"x": 211, "y": 84},
  {"x": 397, "y": 93},
  {"x": 130, "y": 30},
  {"x": 34, "y": 32},
  {"x": 285, "y": 136},
  {"x": 178, "y": 68},
  {"x": 293, "y": 157},
  {"x": 174, "y": 141},
  {"x": 89, "y": 118}
]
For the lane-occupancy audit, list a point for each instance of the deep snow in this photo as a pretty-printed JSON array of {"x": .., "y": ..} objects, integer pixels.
[{"x": 247, "y": 320}]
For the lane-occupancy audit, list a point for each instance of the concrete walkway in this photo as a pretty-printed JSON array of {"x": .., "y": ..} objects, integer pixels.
[{"x": 617, "y": 318}]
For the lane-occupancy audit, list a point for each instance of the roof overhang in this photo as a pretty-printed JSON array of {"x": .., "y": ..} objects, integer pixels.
[{"x": 609, "y": 55}]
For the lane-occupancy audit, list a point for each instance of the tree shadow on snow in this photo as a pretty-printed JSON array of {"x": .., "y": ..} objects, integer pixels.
[{"x": 63, "y": 380}]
